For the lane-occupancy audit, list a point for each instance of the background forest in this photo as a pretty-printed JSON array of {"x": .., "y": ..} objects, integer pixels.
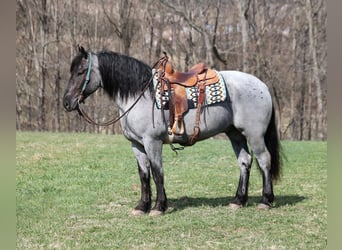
[{"x": 283, "y": 42}]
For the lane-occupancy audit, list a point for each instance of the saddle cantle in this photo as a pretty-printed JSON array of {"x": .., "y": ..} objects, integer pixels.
[{"x": 177, "y": 85}]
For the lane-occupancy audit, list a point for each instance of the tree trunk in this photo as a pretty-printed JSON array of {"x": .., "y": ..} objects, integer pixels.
[
  {"x": 58, "y": 70},
  {"x": 43, "y": 26},
  {"x": 35, "y": 59},
  {"x": 315, "y": 71},
  {"x": 293, "y": 109},
  {"x": 242, "y": 9},
  {"x": 302, "y": 91},
  {"x": 18, "y": 111}
]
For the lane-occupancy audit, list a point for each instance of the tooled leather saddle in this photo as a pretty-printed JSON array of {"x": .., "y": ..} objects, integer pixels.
[{"x": 176, "y": 83}]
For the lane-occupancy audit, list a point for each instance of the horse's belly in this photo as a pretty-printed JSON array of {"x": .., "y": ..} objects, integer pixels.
[{"x": 214, "y": 119}]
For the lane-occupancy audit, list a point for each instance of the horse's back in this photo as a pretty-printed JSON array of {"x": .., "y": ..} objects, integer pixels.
[
  {"x": 240, "y": 84},
  {"x": 250, "y": 99}
]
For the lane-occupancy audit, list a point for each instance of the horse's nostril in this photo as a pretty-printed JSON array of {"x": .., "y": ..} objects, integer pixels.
[
  {"x": 70, "y": 103},
  {"x": 66, "y": 104}
]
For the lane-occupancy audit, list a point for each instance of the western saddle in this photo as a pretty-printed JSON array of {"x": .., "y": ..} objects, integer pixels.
[{"x": 169, "y": 79}]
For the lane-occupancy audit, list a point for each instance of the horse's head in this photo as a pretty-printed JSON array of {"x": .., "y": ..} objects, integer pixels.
[{"x": 84, "y": 80}]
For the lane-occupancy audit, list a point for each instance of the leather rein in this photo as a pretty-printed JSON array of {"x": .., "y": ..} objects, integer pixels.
[{"x": 114, "y": 120}]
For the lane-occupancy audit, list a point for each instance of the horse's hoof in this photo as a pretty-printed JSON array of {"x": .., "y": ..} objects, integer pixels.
[
  {"x": 234, "y": 206},
  {"x": 137, "y": 212},
  {"x": 156, "y": 213},
  {"x": 263, "y": 206}
]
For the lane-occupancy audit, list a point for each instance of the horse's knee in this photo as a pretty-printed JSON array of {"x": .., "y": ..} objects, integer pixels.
[{"x": 244, "y": 159}]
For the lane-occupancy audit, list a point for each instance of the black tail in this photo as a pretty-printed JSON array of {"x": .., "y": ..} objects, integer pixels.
[{"x": 274, "y": 147}]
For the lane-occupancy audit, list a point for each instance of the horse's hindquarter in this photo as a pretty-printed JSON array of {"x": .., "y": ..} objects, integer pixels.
[{"x": 250, "y": 98}]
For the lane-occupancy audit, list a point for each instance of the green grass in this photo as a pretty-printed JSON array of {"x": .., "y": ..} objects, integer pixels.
[{"x": 76, "y": 191}]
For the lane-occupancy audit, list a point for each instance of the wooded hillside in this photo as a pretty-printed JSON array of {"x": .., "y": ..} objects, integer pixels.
[{"x": 282, "y": 42}]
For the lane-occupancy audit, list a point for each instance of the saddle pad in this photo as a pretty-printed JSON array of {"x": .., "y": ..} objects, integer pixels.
[{"x": 214, "y": 93}]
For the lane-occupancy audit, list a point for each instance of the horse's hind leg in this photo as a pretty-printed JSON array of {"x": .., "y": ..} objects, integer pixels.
[
  {"x": 244, "y": 158},
  {"x": 144, "y": 204},
  {"x": 263, "y": 158}
]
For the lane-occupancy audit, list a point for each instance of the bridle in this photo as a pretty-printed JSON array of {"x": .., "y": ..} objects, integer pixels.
[
  {"x": 87, "y": 79},
  {"x": 81, "y": 99}
]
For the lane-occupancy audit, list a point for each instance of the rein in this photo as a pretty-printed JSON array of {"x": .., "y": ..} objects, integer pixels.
[{"x": 114, "y": 120}]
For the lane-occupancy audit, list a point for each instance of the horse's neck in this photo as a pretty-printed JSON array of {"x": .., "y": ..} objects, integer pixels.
[
  {"x": 122, "y": 103},
  {"x": 125, "y": 104}
]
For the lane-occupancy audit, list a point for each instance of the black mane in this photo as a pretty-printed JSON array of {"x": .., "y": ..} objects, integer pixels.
[{"x": 122, "y": 74}]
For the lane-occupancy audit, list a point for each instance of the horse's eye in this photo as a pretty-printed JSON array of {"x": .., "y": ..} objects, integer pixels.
[{"x": 81, "y": 72}]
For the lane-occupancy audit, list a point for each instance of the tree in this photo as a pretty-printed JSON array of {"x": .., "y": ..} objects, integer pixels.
[
  {"x": 315, "y": 71},
  {"x": 287, "y": 52},
  {"x": 243, "y": 7},
  {"x": 125, "y": 25},
  {"x": 204, "y": 27}
]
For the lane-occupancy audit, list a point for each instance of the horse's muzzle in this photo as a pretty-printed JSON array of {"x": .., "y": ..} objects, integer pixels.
[{"x": 70, "y": 103}]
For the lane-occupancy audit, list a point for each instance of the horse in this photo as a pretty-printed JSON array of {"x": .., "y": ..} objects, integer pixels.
[{"x": 247, "y": 117}]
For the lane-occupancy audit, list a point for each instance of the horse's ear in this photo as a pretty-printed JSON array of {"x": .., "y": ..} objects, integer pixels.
[{"x": 82, "y": 51}]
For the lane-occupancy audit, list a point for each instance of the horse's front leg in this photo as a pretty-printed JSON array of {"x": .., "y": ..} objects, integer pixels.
[
  {"x": 144, "y": 204},
  {"x": 154, "y": 152}
]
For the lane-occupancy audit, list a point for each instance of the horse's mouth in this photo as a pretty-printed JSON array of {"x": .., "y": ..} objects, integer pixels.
[{"x": 71, "y": 104}]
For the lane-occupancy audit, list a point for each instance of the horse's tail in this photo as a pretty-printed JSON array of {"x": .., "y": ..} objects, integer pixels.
[{"x": 273, "y": 146}]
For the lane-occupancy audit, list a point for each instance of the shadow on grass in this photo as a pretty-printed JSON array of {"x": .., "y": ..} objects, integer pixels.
[{"x": 186, "y": 202}]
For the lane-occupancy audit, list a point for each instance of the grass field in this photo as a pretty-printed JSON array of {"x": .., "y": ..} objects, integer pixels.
[{"x": 76, "y": 191}]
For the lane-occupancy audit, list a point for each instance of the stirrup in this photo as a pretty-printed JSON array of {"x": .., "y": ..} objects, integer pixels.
[{"x": 178, "y": 127}]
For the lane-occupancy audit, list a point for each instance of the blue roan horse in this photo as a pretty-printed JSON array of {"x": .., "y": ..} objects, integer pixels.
[{"x": 247, "y": 117}]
